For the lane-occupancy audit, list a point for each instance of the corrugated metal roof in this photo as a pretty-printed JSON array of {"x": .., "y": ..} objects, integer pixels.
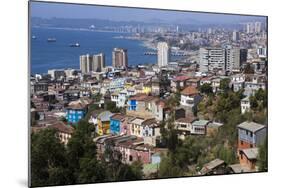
[{"x": 251, "y": 126}]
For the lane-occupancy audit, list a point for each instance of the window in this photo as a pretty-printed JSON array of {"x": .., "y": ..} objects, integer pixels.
[
  {"x": 130, "y": 158},
  {"x": 183, "y": 126},
  {"x": 146, "y": 132},
  {"x": 241, "y": 142}
]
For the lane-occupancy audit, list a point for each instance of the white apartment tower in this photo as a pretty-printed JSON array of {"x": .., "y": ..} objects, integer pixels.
[
  {"x": 221, "y": 59},
  {"x": 163, "y": 53},
  {"x": 211, "y": 59},
  {"x": 92, "y": 63},
  {"x": 258, "y": 27},
  {"x": 235, "y": 36}
]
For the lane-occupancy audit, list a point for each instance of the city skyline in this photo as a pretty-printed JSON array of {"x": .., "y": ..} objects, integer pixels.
[{"x": 65, "y": 10}]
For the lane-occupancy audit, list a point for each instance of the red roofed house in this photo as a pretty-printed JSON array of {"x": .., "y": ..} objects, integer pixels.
[
  {"x": 141, "y": 105},
  {"x": 64, "y": 132},
  {"x": 190, "y": 97},
  {"x": 179, "y": 83}
]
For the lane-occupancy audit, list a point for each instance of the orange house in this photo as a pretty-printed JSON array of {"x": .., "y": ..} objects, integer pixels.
[
  {"x": 248, "y": 158},
  {"x": 103, "y": 121}
]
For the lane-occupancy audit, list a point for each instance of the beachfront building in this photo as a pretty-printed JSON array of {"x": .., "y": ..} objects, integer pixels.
[
  {"x": 163, "y": 53},
  {"x": 92, "y": 63},
  {"x": 120, "y": 58}
]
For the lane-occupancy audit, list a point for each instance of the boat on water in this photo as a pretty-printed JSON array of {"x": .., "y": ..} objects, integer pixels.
[
  {"x": 51, "y": 39},
  {"x": 75, "y": 45},
  {"x": 33, "y": 37}
]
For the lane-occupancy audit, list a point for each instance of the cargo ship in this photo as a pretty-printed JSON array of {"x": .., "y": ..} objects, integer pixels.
[
  {"x": 75, "y": 45},
  {"x": 51, "y": 39}
]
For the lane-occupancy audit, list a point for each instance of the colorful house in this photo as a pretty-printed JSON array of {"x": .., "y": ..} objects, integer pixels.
[
  {"x": 146, "y": 89},
  {"x": 141, "y": 105},
  {"x": 103, "y": 120},
  {"x": 250, "y": 135},
  {"x": 248, "y": 158},
  {"x": 117, "y": 123},
  {"x": 75, "y": 112}
]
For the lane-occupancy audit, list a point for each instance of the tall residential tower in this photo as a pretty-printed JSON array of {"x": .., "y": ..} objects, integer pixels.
[
  {"x": 119, "y": 58},
  {"x": 163, "y": 53},
  {"x": 92, "y": 63}
]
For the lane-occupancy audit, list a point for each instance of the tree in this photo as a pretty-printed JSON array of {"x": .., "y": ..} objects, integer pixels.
[
  {"x": 227, "y": 154},
  {"x": 137, "y": 168},
  {"x": 263, "y": 156},
  {"x": 249, "y": 69},
  {"x": 167, "y": 168},
  {"x": 253, "y": 102},
  {"x": 224, "y": 84},
  {"x": 118, "y": 171},
  {"x": 111, "y": 106},
  {"x": 206, "y": 88},
  {"x": 91, "y": 170},
  {"x": 48, "y": 159},
  {"x": 81, "y": 148}
]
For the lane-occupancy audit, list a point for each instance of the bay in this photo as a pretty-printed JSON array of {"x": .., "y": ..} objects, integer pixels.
[{"x": 59, "y": 55}]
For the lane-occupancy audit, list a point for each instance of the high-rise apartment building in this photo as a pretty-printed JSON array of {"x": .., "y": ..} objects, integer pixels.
[
  {"x": 234, "y": 57},
  {"x": 258, "y": 27},
  {"x": 235, "y": 36},
  {"x": 163, "y": 53},
  {"x": 119, "y": 58},
  {"x": 254, "y": 27},
  {"x": 92, "y": 63},
  {"x": 250, "y": 27},
  {"x": 211, "y": 59},
  {"x": 262, "y": 51},
  {"x": 221, "y": 59}
]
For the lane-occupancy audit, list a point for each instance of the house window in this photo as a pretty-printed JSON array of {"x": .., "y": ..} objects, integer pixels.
[
  {"x": 130, "y": 158},
  {"x": 251, "y": 145},
  {"x": 146, "y": 132},
  {"x": 251, "y": 134},
  {"x": 241, "y": 142}
]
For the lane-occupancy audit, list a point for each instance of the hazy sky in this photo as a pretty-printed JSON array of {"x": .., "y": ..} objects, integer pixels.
[{"x": 49, "y": 10}]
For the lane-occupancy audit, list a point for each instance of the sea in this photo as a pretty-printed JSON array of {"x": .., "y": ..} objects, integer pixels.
[{"x": 59, "y": 55}]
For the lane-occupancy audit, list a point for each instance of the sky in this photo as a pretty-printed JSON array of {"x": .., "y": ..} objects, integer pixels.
[{"x": 61, "y": 10}]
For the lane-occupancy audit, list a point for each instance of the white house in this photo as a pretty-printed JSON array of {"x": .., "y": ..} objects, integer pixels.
[
  {"x": 199, "y": 127},
  {"x": 245, "y": 105},
  {"x": 114, "y": 97},
  {"x": 237, "y": 82},
  {"x": 122, "y": 97},
  {"x": 190, "y": 97}
]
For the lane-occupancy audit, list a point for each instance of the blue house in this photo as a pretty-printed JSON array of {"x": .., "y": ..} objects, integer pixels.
[
  {"x": 132, "y": 104},
  {"x": 75, "y": 111},
  {"x": 251, "y": 134},
  {"x": 117, "y": 124}
]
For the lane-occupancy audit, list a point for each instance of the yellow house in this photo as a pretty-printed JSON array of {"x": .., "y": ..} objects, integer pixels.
[
  {"x": 146, "y": 89},
  {"x": 128, "y": 85},
  {"x": 103, "y": 121}
]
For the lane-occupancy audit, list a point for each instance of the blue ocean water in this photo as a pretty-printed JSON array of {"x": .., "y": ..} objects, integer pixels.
[{"x": 56, "y": 55}]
